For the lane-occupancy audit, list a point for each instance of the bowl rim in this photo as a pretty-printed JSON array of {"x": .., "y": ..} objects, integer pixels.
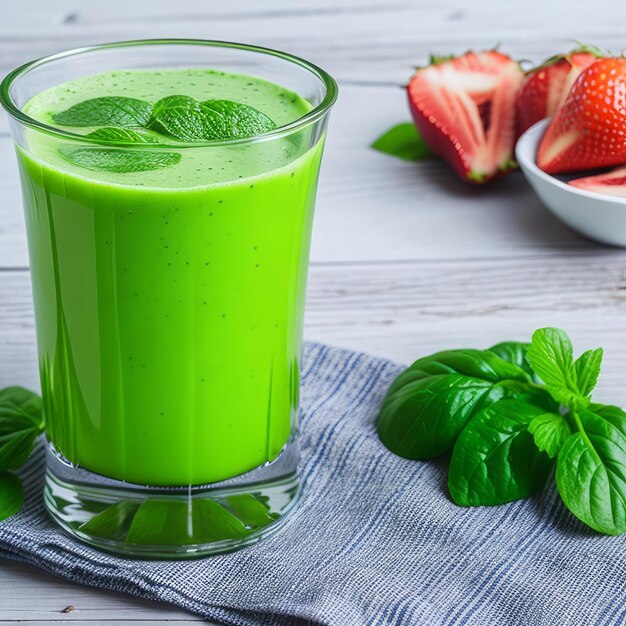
[{"x": 525, "y": 153}]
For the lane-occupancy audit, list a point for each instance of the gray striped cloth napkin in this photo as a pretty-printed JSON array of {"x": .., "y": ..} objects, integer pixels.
[{"x": 376, "y": 539}]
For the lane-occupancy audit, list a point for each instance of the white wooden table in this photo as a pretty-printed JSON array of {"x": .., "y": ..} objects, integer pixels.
[{"x": 406, "y": 259}]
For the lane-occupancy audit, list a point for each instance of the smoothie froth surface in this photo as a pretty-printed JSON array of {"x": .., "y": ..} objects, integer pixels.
[{"x": 198, "y": 166}]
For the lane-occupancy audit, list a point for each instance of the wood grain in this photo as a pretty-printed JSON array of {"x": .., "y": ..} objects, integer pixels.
[
  {"x": 372, "y": 40},
  {"x": 20, "y": 584}
]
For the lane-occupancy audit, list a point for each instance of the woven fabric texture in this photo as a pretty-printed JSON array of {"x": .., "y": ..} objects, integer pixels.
[{"x": 375, "y": 540}]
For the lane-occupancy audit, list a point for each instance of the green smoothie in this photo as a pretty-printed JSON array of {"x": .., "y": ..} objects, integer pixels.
[{"x": 169, "y": 302}]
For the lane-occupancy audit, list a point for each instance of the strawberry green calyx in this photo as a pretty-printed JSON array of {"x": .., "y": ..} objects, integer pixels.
[
  {"x": 588, "y": 49},
  {"x": 477, "y": 177},
  {"x": 556, "y": 58},
  {"x": 509, "y": 165},
  {"x": 438, "y": 59}
]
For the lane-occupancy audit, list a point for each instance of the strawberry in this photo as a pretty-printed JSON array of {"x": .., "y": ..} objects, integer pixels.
[
  {"x": 464, "y": 109},
  {"x": 589, "y": 130},
  {"x": 611, "y": 183},
  {"x": 546, "y": 87}
]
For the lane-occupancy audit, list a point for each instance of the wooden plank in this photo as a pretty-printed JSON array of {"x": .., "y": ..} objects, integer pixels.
[
  {"x": 406, "y": 310},
  {"x": 79, "y": 14},
  {"x": 375, "y": 207},
  {"x": 347, "y": 39},
  {"x": 20, "y": 584}
]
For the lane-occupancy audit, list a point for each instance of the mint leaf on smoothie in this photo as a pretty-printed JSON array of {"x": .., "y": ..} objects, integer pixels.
[
  {"x": 403, "y": 141},
  {"x": 119, "y": 135},
  {"x": 119, "y": 161},
  {"x": 186, "y": 119},
  {"x": 106, "y": 111},
  {"x": 180, "y": 117},
  {"x": 234, "y": 120}
]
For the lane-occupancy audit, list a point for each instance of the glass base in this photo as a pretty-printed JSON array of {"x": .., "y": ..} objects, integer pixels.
[{"x": 171, "y": 522}]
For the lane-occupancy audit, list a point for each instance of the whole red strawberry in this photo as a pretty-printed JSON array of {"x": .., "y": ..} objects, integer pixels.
[
  {"x": 589, "y": 130},
  {"x": 546, "y": 87},
  {"x": 464, "y": 110}
]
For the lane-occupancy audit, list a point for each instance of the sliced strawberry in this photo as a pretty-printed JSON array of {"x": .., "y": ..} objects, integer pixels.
[
  {"x": 611, "y": 183},
  {"x": 589, "y": 130},
  {"x": 545, "y": 88},
  {"x": 464, "y": 109}
]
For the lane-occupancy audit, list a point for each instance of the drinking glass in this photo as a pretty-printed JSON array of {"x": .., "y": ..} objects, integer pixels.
[{"x": 169, "y": 316}]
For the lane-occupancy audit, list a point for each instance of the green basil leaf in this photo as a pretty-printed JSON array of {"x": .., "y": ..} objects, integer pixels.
[
  {"x": 113, "y": 522},
  {"x": 26, "y": 400},
  {"x": 528, "y": 393},
  {"x": 591, "y": 469},
  {"x": 474, "y": 363},
  {"x": 119, "y": 135},
  {"x": 587, "y": 369},
  {"x": 423, "y": 419},
  {"x": 549, "y": 430},
  {"x": 186, "y": 119},
  {"x": 11, "y": 495},
  {"x": 495, "y": 459},
  {"x": 119, "y": 161},
  {"x": 551, "y": 358},
  {"x": 250, "y": 510},
  {"x": 428, "y": 405},
  {"x": 403, "y": 141},
  {"x": 21, "y": 422},
  {"x": 106, "y": 111},
  {"x": 167, "y": 522},
  {"x": 515, "y": 352}
]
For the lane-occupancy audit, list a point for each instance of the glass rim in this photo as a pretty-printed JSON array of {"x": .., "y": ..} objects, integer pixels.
[{"x": 312, "y": 116}]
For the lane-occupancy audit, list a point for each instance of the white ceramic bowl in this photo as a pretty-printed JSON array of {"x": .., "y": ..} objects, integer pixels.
[{"x": 594, "y": 215}]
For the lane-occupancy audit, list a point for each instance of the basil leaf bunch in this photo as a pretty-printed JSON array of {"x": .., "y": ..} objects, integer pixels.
[
  {"x": 508, "y": 414},
  {"x": 21, "y": 422}
]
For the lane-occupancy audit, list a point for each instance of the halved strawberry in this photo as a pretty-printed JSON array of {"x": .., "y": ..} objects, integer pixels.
[
  {"x": 464, "y": 109},
  {"x": 610, "y": 183},
  {"x": 589, "y": 130},
  {"x": 545, "y": 88}
]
